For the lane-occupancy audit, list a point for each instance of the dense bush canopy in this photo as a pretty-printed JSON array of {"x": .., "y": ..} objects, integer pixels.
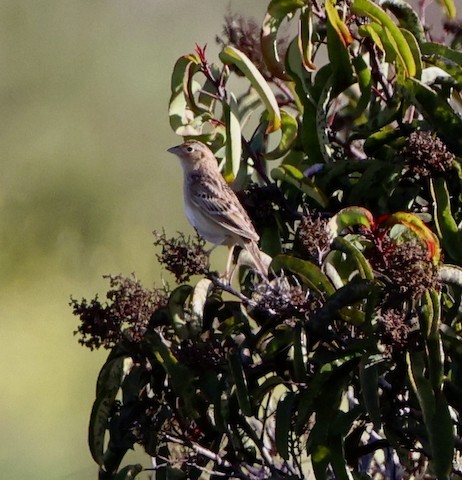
[{"x": 345, "y": 150}]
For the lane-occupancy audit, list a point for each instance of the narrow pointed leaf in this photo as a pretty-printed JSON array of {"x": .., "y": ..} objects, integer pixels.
[
  {"x": 283, "y": 424},
  {"x": 289, "y": 131},
  {"x": 233, "y": 140},
  {"x": 308, "y": 272},
  {"x": 291, "y": 174},
  {"x": 400, "y": 45},
  {"x": 241, "y": 61}
]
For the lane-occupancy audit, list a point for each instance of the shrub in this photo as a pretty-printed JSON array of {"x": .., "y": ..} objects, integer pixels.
[{"x": 345, "y": 150}]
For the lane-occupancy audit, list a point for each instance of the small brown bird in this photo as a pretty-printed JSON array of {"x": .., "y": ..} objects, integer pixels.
[{"x": 212, "y": 207}]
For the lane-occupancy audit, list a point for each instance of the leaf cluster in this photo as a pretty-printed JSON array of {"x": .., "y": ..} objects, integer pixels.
[{"x": 345, "y": 149}]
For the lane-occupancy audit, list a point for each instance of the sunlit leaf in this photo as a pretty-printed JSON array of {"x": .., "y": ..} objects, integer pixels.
[
  {"x": 290, "y": 174},
  {"x": 349, "y": 217},
  {"x": 233, "y": 140},
  {"x": 407, "y": 17},
  {"x": 400, "y": 45},
  {"x": 305, "y": 39},
  {"x": 308, "y": 272},
  {"x": 437, "y": 111},
  {"x": 241, "y": 61},
  {"x": 289, "y": 131},
  {"x": 337, "y": 23},
  {"x": 449, "y": 6}
]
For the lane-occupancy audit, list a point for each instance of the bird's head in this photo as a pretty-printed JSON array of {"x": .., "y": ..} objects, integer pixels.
[{"x": 192, "y": 153}]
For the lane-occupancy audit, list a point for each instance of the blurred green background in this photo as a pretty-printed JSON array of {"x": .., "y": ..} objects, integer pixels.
[{"x": 85, "y": 178}]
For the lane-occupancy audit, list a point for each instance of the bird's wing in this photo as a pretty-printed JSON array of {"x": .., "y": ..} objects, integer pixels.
[{"x": 216, "y": 200}]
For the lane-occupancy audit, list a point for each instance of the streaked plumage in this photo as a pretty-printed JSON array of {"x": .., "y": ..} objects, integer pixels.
[{"x": 210, "y": 204}]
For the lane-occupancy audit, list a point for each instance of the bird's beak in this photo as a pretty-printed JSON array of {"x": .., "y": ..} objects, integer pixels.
[{"x": 175, "y": 150}]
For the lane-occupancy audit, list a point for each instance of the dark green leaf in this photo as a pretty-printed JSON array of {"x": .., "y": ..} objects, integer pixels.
[{"x": 283, "y": 424}]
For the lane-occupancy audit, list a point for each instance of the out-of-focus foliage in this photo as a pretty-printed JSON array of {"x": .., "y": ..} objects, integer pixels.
[{"x": 346, "y": 362}]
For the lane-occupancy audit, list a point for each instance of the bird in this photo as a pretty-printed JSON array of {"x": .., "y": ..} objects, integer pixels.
[{"x": 213, "y": 208}]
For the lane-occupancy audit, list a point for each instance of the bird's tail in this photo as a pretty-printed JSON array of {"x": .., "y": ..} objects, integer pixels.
[{"x": 256, "y": 259}]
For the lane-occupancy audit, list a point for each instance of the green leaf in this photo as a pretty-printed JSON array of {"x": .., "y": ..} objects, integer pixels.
[
  {"x": 184, "y": 120},
  {"x": 449, "y": 6},
  {"x": 396, "y": 37},
  {"x": 337, "y": 23},
  {"x": 283, "y": 424},
  {"x": 407, "y": 17},
  {"x": 364, "y": 76},
  {"x": 342, "y": 303},
  {"x": 292, "y": 175},
  {"x": 349, "y": 217},
  {"x": 281, "y": 8},
  {"x": 448, "y": 231},
  {"x": 438, "y": 113},
  {"x": 436, "y": 416},
  {"x": 369, "y": 381},
  {"x": 299, "y": 360},
  {"x": 364, "y": 267},
  {"x": 289, "y": 131},
  {"x": 176, "y": 310},
  {"x": 274, "y": 17},
  {"x": 180, "y": 376},
  {"x": 198, "y": 301},
  {"x": 240, "y": 383},
  {"x": 109, "y": 382},
  {"x": 305, "y": 39},
  {"x": 309, "y": 273},
  {"x": 241, "y": 61},
  {"x": 233, "y": 140},
  {"x": 430, "y": 48}
]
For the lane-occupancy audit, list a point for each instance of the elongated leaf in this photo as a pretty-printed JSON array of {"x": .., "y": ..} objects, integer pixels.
[
  {"x": 430, "y": 48},
  {"x": 364, "y": 76},
  {"x": 109, "y": 382},
  {"x": 269, "y": 32},
  {"x": 291, "y": 174},
  {"x": 436, "y": 416},
  {"x": 198, "y": 301},
  {"x": 233, "y": 140},
  {"x": 369, "y": 380},
  {"x": 283, "y": 424},
  {"x": 308, "y": 272},
  {"x": 305, "y": 39},
  {"x": 364, "y": 267},
  {"x": 241, "y": 61},
  {"x": 299, "y": 360},
  {"x": 176, "y": 303},
  {"x": 449, "y": 6},
  {"x": 400, "y": 45},
  {"x": 446, "y": 226},
  {"x": 337, "y": 23},
  {"x": 451, "y": 274},
  {"x": 240, "y": 383},
  {"x": 407, "y": 17},
  {"x": 289, "y": 131},
  {"x": 183, "y": 120},
  {"x": 438, "y": 113},
  {"x": 349, "y": 217}
]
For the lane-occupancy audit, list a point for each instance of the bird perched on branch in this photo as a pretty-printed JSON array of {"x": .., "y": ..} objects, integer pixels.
[{"x": 213, "y": 208}]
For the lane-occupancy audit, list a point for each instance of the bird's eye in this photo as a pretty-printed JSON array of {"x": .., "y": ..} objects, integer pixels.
[{"x": 189, "y": 149}]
